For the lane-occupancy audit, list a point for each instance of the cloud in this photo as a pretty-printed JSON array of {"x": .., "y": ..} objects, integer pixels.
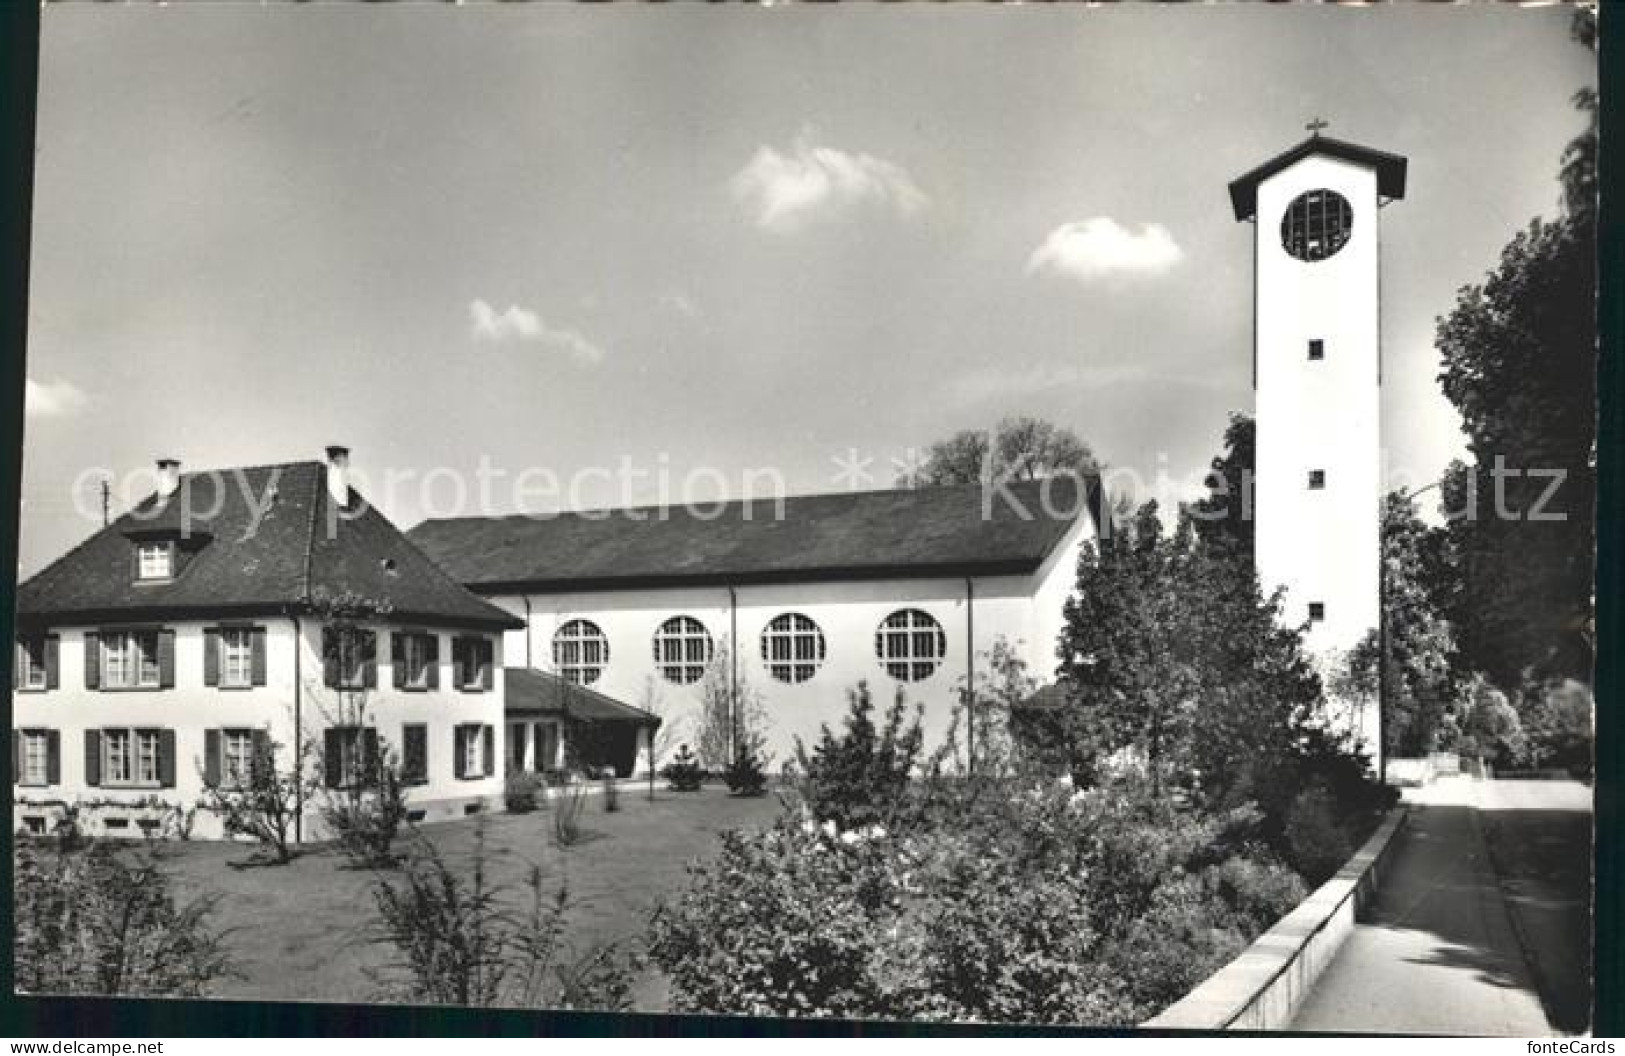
[
  {"x": 680, "y": 303},
  {"x": 1101, "y": 246},
  {"x": 783, "y": 192},
  {"x": 52, "y": 399},
  {"x": 523, "y": 324}
]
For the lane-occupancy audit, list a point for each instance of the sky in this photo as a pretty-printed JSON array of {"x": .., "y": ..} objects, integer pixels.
[{"x": 615, "y": 243}]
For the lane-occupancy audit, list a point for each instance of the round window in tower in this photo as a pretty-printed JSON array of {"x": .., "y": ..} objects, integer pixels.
[{"x": 1316, "y": 225}]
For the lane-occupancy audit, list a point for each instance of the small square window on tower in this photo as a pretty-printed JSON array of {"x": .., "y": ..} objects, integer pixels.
[
  {"x": 1317, "y": 479},
  {"x": 1317, "y": 611},
  {"x": 1317, "y": 349}
]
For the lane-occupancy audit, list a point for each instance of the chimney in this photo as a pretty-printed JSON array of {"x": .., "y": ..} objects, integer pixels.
[
  {"x": 338, "y": 475},
  {"x": 169, "y": 476}
]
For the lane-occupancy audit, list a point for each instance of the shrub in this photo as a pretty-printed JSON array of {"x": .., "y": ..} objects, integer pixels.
[
  {"x": 459, "y": 944},
  {"x": 683, "y": 773},
  {"x": 745, "y": 776},
  {"x": 366, "y": 815},
  {"x": 265, "y": 807},
  {"x": 567, "y": 815},
  {"x": 612, "y": 794},
  {"x": 862, "y": 777},
  {"x": 100, "y": 922},
  {"x": 1317, "y": 840},
  {"x": 519, "y": 791},
  {"x": 1041, "y": 905}
]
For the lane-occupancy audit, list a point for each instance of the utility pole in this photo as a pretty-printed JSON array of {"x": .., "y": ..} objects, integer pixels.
[{"x": 107, "y": 503}]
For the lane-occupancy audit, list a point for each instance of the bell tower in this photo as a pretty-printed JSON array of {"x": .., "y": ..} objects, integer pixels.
[{"x": 1317, "y": 377}]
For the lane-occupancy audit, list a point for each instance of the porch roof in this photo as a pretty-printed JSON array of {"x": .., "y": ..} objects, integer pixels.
[{"x": 541, "y": 693}]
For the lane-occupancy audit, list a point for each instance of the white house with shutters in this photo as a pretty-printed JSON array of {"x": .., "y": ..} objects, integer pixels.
[{"x": 244, "y": 606}]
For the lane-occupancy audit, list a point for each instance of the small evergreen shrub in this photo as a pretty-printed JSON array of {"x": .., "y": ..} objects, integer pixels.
[
  {"x": 683, "y": 773},
  {"x": 1317, "y": 840},
  {"x": 745, "y": 776},
  {"x": 863, "y": 776}
]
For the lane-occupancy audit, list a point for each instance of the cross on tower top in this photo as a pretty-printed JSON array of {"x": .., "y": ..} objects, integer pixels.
[{"x": 1315, "y": 125}]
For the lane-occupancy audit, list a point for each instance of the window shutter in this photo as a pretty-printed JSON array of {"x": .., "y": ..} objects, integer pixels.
[
  {"x": 211, "y": 656},
  {"x": 261, "y": 746},
  {"x": 433, "y": 642},
  {"x": 415, "y": 754},
  {"x": 397, "y": 659},
  {"x": 53, "y": 661},
  {"x": 330, "y": 756},
  {"x": 488, "y": 749},
  {"x": 93, "y": 660},
  {"x": 457, "y": 756},
  {"x": 369, "y": 753},
  {"x": 53, "y": 757},
  {"x": 487, "y": 655},
  {"x": 166, "y": 758},
  {"x": 17, "y": 663},
  {"x": 212, "y": 763},
  {"x": 16, "y": 758},
  {"x": 459, "y": 662},
  {"x": 369, "y": 655},
  {"x": 330, "y": 658},
  {"x": 256, "y": 658},
  {"x": 166, "y": 660},
  {"x": 93, "y": 758}
]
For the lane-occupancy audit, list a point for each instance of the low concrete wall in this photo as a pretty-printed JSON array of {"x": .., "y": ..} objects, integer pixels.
[{"x": 1262, "y": 988}]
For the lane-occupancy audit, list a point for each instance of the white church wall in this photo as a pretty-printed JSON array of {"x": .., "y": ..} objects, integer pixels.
[{"x": 848, "y": 613}]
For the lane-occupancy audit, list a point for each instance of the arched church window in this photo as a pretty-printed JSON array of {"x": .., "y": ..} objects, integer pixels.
[
  {"x": 683, "y": 650},
  {"x": 792, "y": 647},
  {"x": 580, "y": 652},
  {"x": 1316, "y": 225},
  {"x": 910, "y": 645}
]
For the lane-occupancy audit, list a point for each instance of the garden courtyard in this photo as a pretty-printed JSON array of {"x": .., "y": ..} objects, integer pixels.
[{"x": 303, "y": 931}]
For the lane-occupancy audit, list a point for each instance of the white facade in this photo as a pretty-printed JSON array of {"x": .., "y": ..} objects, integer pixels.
[
  {"x": 974, "y": 613},
  {"x": 292, "y": 705},
  {"x": 1321, "y": 540}
]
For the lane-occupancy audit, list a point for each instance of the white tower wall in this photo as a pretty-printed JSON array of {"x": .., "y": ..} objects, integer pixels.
[{"x": 1321, "y": 545}]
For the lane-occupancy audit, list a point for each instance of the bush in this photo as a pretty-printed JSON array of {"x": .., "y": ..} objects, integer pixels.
[
  {"x": 567, "y": 810},
  {"x": 612, "y": 794},
  {"x": 100, "y": 922},
  {"x": 863, "y": 776},
  {"x": 265, "y": 808},
  {"x": 366, "y": 815},
  {"x": 459, "y": 944},
  {"x": 745, "y": 776},
  {"x": 1317, "y": 840},
  {"x": 519, "y": 791},
  {"x": 683, "y": 773},
  {"x": 1043, "y": 905}
]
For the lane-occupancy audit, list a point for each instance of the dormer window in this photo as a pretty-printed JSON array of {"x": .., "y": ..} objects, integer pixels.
[{"x": 154, "y": 561}]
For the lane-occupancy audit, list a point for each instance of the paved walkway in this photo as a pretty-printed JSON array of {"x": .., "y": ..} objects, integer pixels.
[{"x": 1436, "y": 952}]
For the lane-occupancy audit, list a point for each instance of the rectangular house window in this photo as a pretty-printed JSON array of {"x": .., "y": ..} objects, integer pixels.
[
  {"x": 1317, "y": 349},
  {"x": 132, "y": 758},
  {"x": 36, "y": 755},
  {"x": 32, "y": 670},
  {"x": 472, "y": 662},
  {"x": 155, "y": 561},
  {"x": 1317, "y": 611},
  {"x": 1317, "y": 479},
  {"x": 236, "y": 656},
  {"x": 414, "y": 658},
  {"x": 236, "y": 756},
  {"x": 130, "y": 659}
]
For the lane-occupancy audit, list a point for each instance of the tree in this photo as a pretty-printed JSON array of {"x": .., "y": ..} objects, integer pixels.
[
  {"x": 1224, "y": 516},
  {"x": 732, "y": 718},
  {"x": 1020, "y": 448},
  {"x": 1519, "y": 364},
  {"x": 995, "y": 706},
  {"x": 1421, "y": 669}
]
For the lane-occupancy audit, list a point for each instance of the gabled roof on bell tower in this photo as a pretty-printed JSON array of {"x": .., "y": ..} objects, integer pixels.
[{"x": 1390, "y": 170}]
